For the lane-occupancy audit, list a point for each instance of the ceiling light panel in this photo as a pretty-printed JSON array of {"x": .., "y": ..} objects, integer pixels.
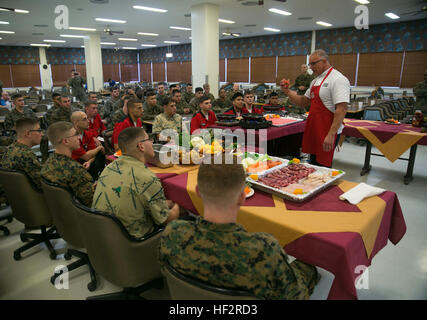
[
  {"x": 282, "y": 12},
  {"x": 110, "y": 20},
  {"x": 325, "y": 24},
  {"x": 127, "y": 39},
  {"x": 180, "y": 28},
  {"x": 150, "y": 9},
  {"x": 272, "y": 29},
  {"x": 393, "y": 16},
  {"x": 148, "y": 34},
  {"x": 81, "y": 29},
  {"x": 226, "y": 21}
]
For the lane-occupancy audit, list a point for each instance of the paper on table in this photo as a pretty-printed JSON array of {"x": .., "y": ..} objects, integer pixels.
[{"x": 360, "y": 192}]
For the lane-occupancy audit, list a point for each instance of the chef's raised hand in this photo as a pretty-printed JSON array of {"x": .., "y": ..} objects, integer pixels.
[{"x": 284, "y": 85}]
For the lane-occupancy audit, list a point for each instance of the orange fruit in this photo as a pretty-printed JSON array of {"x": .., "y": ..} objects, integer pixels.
[
  {"x": 298, "y": 191},
  {"x": 254, "y": 177}
]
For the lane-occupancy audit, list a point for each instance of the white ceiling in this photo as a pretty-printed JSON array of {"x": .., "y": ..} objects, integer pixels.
[{"x": 83, "y": 13}]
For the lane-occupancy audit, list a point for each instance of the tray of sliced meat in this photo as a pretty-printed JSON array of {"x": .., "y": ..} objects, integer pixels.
[{"x": 295, "y": 182}]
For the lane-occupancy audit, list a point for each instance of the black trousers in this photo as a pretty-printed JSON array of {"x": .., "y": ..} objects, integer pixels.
[
  {"x": 97, "y": 166},
  {"x": 313, "y": 160}
]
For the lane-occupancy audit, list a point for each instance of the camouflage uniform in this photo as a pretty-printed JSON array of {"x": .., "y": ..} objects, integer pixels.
[
  {"x": 160, "y": 98},
  {"x": 194, "y": 104},
  {"x": 304, "y": 79},
  {"x": 150, "y": 112},
  {"x": 226, "y": 255},
  {"x": 67, "y": 172},
  {"x": 50, "y": 112},
  {"x": 187, "y": 96},
  {"x": 20, "y": 157},
  {"x": 163, "y": 122},
  {"x": 109, "y": 109},
  {"x": 128, "y": 190},
  {"x": 62, "y": 114},
  {"x": 181, "y": 105},
  {"x": 76, "y": 85},
  {"x": 10, "y": 120},
  {"x": 118, "y": 116},
  {"x": 420, "y": 91},
  {"x": 231, "y": 93},
  {"x": 221, "y": 105}
]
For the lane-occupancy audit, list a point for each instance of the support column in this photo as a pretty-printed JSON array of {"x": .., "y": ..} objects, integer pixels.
[
  {"x": 313, "y": 41},
  {"x": 45, "y": 74},
  {"x": 205, "y": 46},
  {"x": 93, "y": 57}
]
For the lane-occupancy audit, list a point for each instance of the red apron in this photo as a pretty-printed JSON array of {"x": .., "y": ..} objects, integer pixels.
[{"x": 319, "y": 122}]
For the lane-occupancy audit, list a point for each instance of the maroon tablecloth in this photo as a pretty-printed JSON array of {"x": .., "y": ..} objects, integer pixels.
[{"x": 338, "y": 252}]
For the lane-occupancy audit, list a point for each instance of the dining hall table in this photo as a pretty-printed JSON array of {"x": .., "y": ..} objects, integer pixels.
[
  {"x": 323, "y": 231},
  {"x": 392, "y": 140}
]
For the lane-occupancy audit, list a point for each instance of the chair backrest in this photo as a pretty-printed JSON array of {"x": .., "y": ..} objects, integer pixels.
[
  {"x": 114, "y": 254},
  {"x": 64, "y": 214},
  {"x": 28, "y": 204},
  {"x": 182, "y": 287},
  {"x": 41, "y": 108},
  {"x": 373, "y": 113}
]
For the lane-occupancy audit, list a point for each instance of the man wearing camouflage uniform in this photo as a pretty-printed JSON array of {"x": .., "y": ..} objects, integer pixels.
[
  {"x": 168, "y": 120},
  {"x": 217, "y": 250},
  {"x": 221, "y": 104},
  {"x": 188, "y": 95},
  {"x": 77, "y": 85},
  {"x": 19, "y": 155},
  {"x": 232, "y": 92},
  {"x": 150, "y": 107},
  {"x": 420, "y": 91},
  {"x": 119, "y": 186},
  {"x": 207, "y": 92},
  {"x": 60, "y": 168},
  {"x": 108, "y": 109},
  {"x": 302, "y": 82},
  {"x": 182, "y": 107},
  {"x": 161, "y": 94},
  {"x": 194, "y": 103}
]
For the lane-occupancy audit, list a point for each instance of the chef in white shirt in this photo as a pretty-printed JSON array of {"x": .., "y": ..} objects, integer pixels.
[{"x": 328, "y": 96}]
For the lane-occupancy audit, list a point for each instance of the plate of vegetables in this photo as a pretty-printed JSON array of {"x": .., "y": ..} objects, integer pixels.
[{"x": 255, "y": 163}]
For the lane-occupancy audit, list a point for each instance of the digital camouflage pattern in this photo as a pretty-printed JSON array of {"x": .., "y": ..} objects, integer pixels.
[
  {"x": 109, "y": 109},
  {"x": 67, "y": 172},
  {"x": 226, "y": 255},
  {"x": 18, "y": 156},
  {"x": 180, "y": 107},
  {"x": 303, "y": 79},
  {"x": 187, "y": 96},
  {"x": 210, "y": 96},
  {"x": 128, "y": 190},
  {"x": 420, "y": 91},
  {"x": 76, "y": 85},
  {"x": 161, "y": 98},
  {"x": 150, "y": 112},
  {"x": 118, "y": 116},
  {"x": 194, "y": 104},
  {"x": 14, "y": 115},
  {"x": 221, "y": 105},
  {"x": 163, "y": 122},
  {"x": 62, "y": 114}
]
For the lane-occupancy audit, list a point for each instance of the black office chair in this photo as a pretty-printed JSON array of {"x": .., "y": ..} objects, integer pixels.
[
  {"x": 182, "y": 287},
  {"x": 59, "y": 201},
  {"x": 6, "y": 214},
  {"x": 123, "y": 260},
  {"x": 29, "y": 207}
]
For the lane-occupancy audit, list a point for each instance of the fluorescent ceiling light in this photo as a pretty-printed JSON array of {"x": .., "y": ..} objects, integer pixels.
[
  {"x": 39, "y": 45},
  {"x": 108, "y": 43},
  {"x": 82, "y": 29},
  {"x": 272, "y": 29},
  {"x": 149, "y": 9},
  {"x": 169, "y": 55},
  {"x": 4, "y": 22},
  {"x": 128, "y": 39},
  {"x": 148, "y": 45},
  {"x": 58, "y": 41},
  {"x": 110, "y": 20},
  {"x": 285, "y": 13},
  {"x": 9, "y": 32},
  {"x": 1, "y": 38},
  {"x": 393, "y": 16},
  {"x": 129, "y": 48},
  {"x": 71, "y": 36},
  {"x": 148, "y": 34},
  {"x": 362, "y": 1},
  {"x": 173, "y": 42},
  {"x": 82, "y": 46},
  {"x": 180, "y": 28},
  {"x": 21, "y": 11},
  {"x": 226, "y": 21},
  {"x": 191, "y": 38},
  {"x": 325, "y": 24}
]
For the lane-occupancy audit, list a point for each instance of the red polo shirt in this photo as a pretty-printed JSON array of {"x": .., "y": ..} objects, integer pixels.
[
  {"x": 120, "y": 126},
  {"x": 199, "y": 120},
  {"x": 232, "y": 111},
  {"x": 97, "y": 127},
  {"x": 86, "y": 144},
  {"x": 256, "y": 109}
]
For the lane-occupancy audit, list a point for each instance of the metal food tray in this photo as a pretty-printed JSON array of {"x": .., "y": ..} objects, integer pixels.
[
  {"x": 284, "y": 164},
  {"x": 288, "y": 124},
  {"x": 294, "y": 197}
]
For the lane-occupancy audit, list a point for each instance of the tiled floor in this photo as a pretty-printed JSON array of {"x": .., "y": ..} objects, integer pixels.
[{"x": 397, "y": 272}]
